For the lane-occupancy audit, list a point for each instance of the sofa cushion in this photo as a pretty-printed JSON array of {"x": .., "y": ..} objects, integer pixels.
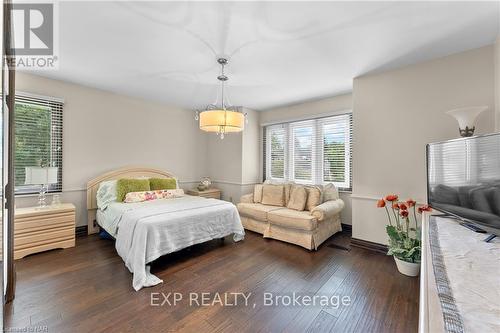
[
  {"x": 313, "y": 198},
  {"x": 257, "y": 193},
  {"x": 255, "y": 210},
  {"x": 330, "y": 192},
  {"x": 290, "y": 218},
  {"x": 298, "y": 198},
  {"x": 273, "y": 195},
  {"x": 286, "y": 185}
]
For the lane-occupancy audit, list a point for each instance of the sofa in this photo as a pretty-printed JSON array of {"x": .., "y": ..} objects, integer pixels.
[{"x": 293, "y": 213}]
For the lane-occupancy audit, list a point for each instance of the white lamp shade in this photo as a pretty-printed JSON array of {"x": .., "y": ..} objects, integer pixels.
[
  {"x": 214, "y": 120},
  {"x": 466, "y": 117},
  {"x": 40, "y": 176}
]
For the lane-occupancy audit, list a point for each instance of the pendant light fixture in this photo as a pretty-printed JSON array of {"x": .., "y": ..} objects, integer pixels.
[{"x": 223, "y": 118}]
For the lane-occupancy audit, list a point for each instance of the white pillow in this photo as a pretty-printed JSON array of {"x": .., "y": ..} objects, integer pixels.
[
  {"x": 330, "y": 192},
  {"x": 106, "y": 194}
]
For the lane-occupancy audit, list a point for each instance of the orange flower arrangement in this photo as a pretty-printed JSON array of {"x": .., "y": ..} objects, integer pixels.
[
  {"x": 401, "y": 210},
  {"x": 404, "y": 242}
]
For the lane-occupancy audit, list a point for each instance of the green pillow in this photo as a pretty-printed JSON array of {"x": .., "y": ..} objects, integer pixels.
[
  {"x": 127, "y": 185},
  {"x": 162, "y": 184}
]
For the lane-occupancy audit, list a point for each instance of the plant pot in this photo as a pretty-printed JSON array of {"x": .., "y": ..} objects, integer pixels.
[{"x": 407, "y": 268}]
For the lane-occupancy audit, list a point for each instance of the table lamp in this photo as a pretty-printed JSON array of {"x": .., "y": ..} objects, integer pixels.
[{"x": 41, "y": 176}]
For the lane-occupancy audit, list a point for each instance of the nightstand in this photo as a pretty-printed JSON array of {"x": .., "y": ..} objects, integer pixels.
[
  {"x": 37, "y": 230},
  {"x": 210, "y": 193}
]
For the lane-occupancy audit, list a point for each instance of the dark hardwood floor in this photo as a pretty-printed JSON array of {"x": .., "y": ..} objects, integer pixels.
[{"x": 88, "y": 289}]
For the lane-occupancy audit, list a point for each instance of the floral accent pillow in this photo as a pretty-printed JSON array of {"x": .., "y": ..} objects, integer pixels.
[{"x": 153, "y": 195}]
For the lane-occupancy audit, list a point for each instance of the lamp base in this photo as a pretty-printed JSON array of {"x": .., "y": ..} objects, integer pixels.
[{"x": 42, "y": 203}]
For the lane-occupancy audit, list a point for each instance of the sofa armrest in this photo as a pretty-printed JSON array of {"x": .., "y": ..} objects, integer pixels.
[
  {"x": 247, "y": 198},
  {"x": 328, "y": 209}
]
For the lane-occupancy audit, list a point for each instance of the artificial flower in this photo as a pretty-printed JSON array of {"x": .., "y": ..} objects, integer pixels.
[
  {"x": 391, "y": 197},
  {"x": 424, "y": 208},
  {"x": 410, "y": 202},
  {"x": 395, "y": 206},
  {"x": 402, "y": 206},
  {"x": 381, "y": 203},
  {"x": 403, "y": 213}
]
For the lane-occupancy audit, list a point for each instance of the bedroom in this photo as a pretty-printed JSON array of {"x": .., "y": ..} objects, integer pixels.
[{"x": 127, "y": 99}]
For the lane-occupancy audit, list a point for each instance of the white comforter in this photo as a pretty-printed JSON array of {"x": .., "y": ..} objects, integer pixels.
[{"x": 148, "y": 230}]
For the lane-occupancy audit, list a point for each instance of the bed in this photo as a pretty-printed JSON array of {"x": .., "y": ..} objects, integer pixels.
[{"x": 145, "y": 231}]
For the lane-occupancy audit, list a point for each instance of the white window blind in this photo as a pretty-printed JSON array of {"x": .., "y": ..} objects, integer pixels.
[
  {"x": 301, "y": 146},
  {"x": 38, "y": 126},
  {"x": 275, "y": 151},
  {"x": 315, "y": 151}
]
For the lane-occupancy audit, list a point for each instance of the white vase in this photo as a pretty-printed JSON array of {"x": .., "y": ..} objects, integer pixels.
[
  {"x": 466, "y": 118},
  {"x": 407, "y": 268}
]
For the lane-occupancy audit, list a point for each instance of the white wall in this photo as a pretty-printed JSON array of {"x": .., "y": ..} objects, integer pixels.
[
  {"x": 313, "y": 109},
  {"x": 103, "y": 131},
  {"x": 396, "y": 114},
  {"x": 233, "y": 163}
]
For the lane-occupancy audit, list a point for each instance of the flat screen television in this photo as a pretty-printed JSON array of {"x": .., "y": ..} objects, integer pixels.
[{"x": 463, "y": 179}]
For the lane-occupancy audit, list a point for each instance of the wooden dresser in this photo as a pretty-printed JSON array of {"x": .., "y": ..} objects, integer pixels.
[
  {"x": 37, "y": 230},
  {"x": 210, "y": 193}
]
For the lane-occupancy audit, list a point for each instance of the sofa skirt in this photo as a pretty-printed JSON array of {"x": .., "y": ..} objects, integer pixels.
[{"x": 310, "y": 240}]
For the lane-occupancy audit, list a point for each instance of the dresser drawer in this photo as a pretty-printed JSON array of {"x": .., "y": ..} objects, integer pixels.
[
  {"x": 35, "y": 223},
  {"x": 210, "y": 193},
  {"x": 215, "y": 195},
  {"x": 43, "y": 237},
  {"x": 37, "y": 230}
]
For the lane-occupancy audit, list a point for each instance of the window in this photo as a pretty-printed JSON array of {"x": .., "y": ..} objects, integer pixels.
[
  {"x": 38, "y": 139},
  {"x": 315, "y": 151},
  {"x": 276, "y": 152}
]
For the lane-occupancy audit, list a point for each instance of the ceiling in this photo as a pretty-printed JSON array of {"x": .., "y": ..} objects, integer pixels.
[{"x": 280, "y": 53}]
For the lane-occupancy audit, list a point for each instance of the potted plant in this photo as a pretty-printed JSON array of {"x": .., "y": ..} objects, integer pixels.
[{"x": 404, "y": 235}]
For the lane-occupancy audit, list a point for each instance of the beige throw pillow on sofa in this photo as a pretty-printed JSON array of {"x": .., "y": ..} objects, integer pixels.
[
  {"x": 313, "y": 198},
  {"x": 298, "y": 198},
  {"x": 257, "y": 193},
  {"x": 286, "y": 185},
  {"x": 273, "y": 195},
  {"x": 330, "y": 192}
]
